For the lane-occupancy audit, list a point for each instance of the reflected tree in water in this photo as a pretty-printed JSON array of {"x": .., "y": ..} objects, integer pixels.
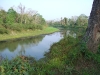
[{"x": 13, "y": 44}]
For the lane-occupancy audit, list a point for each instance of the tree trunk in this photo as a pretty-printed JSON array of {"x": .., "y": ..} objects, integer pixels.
[{"x": 92, "y": 36}]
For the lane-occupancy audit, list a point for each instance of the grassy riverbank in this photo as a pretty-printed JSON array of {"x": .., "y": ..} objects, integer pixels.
[
  {"x": 14, "y": 35},
  {"x": 67, "y": 57}
]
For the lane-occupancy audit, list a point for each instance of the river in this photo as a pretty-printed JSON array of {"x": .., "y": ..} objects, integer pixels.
[{"x": 34, "y": 46}]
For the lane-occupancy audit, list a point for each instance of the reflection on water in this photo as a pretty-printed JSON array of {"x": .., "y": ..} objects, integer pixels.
[
  {"x": 68, "y": 33},
  {"x": 35, "y": 47}
]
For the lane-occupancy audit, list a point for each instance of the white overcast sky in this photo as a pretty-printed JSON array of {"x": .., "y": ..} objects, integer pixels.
[{"x": 53, "y": 9}]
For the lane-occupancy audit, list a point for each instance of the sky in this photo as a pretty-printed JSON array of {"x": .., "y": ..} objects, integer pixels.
[{"x": 53, "y": 9}]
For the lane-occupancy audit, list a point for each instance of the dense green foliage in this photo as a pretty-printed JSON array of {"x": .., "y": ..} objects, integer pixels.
[
  {"x": 12, "y": 20},
  {"x": 67, "y": 57}
]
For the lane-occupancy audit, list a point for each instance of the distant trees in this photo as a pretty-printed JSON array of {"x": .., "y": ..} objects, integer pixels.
[
  {"x": 20, "y": 20},
  {"x": 64, "y": 21},
  {"x": 81, "y": 20}
]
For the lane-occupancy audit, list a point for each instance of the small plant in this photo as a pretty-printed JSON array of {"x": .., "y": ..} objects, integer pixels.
[{"x": 18, "y": 66}]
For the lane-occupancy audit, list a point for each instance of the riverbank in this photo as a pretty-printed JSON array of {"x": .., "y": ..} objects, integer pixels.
[
  {"x": 28, "y": 33},
  {"x": 66, "y": 57},
  {"x": 61, "y": 60}
]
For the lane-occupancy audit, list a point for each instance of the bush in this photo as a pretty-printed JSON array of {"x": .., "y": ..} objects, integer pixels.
[
  {"x": 19, "y": 27},
  {"x": 39, "y": 27},
  {"x": 3, "y": 31},
  {"x": 18, "y": 66},
  {"x": 15, "y": 27}
]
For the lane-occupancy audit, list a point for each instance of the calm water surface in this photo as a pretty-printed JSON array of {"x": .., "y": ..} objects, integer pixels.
[{"x": 34, "y": 47}]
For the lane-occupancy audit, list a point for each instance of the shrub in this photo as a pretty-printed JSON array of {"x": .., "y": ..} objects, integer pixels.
[
  {"x": 3, "y": 31},
  {"x": 18, "y": 66}
]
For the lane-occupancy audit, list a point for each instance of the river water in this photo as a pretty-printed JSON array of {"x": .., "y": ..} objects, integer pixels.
[{"x": 34, "y": 47}]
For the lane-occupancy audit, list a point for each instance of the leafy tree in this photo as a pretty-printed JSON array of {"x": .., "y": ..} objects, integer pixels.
[
  {"x": 39, "y": 19},
  {"x": 11, "y": 16},
  {"x": 82, "y": 20},
  {"x": 2, "y": 16},
  {"x": 71, "y": 22}
]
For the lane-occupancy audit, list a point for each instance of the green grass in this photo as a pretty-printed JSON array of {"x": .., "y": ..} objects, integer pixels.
[
  {"x": 66, "y": 57},
  {"x": 14, "y": 35}
]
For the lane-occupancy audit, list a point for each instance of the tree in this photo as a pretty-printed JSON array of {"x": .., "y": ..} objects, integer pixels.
[
  {"x": 2, "y": 16},
  {"x": 61, "y": 21},
  {"x": 72, "y": 21},
  {"x": 31, "y": 16},
  {"x": 11, "y": 16},
  {"x": 82, "y": 20},
  {"x": 65, "y": 21},
  {"x": 92, "y": 36},
  {"x": 22, "y": 10},
  {"x": 39, "y": 19}
]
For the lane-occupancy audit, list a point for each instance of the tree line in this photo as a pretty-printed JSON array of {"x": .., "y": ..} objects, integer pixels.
[
  {"x": 20, "y": 19},
  {"x": 81, "y": 20},
  {"x": 27, "y": 19}
]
